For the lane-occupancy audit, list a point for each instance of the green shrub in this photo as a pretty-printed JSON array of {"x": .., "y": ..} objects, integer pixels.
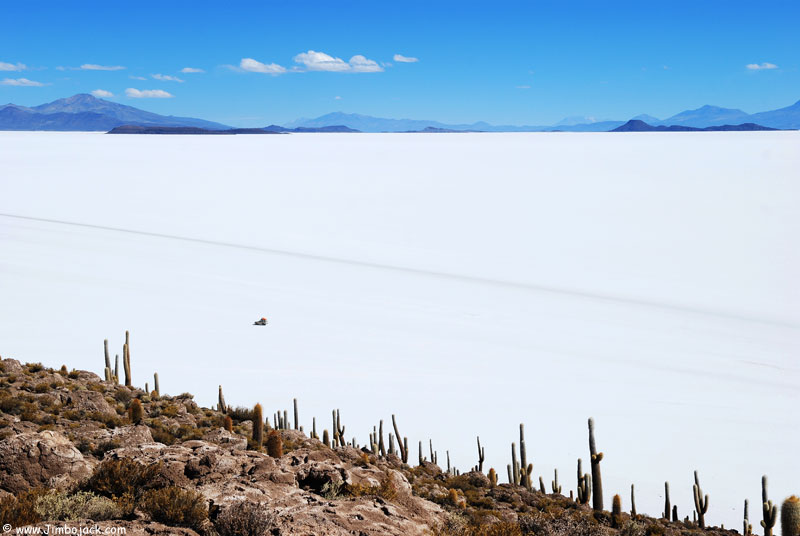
[
  {"x": 41, "y": 387},
  {"x": 34, "y": 367},
  {"x": 175, "y": 506},
  {"x": 60, "y": 506},
  {"x": 244, "y": 518}
]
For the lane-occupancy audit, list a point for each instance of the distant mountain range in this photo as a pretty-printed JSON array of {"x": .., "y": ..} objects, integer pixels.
[
  {"x": 85, "y": 112},
  {"x": 637, "y": 125},
  {"x": 705, "y": 116}
]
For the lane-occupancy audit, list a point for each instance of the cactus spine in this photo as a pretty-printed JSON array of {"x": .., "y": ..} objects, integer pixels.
[
  {"x": 258, "y": 426},
  {"x": 402, "y": 445},
  {"x": 790, "y": 517},
  {"x": 667, "y": 508},
  {"x": 597, "y": 482},
  {"x": 700, "y": 502},
  {"x": 769, "y": 511},
  {"x": 554, "y": 484},
  {"x": 155, "y": 384}
]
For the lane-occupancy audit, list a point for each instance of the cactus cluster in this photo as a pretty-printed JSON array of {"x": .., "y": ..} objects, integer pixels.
[
  {"x": 584, "y": 484},
  {"x": 768, "y": 510}
]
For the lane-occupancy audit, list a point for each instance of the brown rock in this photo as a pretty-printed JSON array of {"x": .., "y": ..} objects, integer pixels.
[
  {"x": 88, "y": 401},
  {"x": 46, "y": 458}
]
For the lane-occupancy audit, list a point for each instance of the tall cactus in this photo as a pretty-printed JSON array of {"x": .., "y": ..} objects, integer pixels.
[
  {"x": 597, "y": 481},
  {"x": 667, "y": 506},
  {"x": 338, "y": 430},
  {"x": 700, "y": 502},
  {"x": 326, "y": 440},
  {"x": 769, "y": 511},
  {"x": 790, "y": 516},
  {"x": 554, "y": 484},
  {"x": 616, "y": 511},
  {"x": 126, "y": 363},
  {"x": 296, "y": 417},
  {"x": 381, "y": 446},
  {"x": 127, "y": 359},
  {"x": 523, "y": 458},
  {"x": 116, "y": 369},
  {"x": 107, "y": 355},
  {"x": 155, "y": 384},
  {"x": 633, "y": 502},
  {"x": 515, "y": 464},
  {"x": 258, "y": 426},
  {"x": 542, "y": 487},
  {"x": 402, "y": 445},
  {"x": 492, "y": 477},
  {"x": 221, "y": 403},
  {"x": 481, "y": 456},
  {"x": 747, "y": 528}
]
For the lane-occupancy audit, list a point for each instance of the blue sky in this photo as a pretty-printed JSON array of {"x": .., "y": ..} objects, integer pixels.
[{"x": 502, "y": 62}]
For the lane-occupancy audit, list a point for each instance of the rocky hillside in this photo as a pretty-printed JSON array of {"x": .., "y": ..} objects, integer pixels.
[{"x": 79, "y": 450}]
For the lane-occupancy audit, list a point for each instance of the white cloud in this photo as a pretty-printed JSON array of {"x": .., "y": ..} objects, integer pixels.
[
  {"x": 360, "y": 64},
  {"x": 137, "y": 77},
  {"x": 12, "y": 66},
  {"x": 405, "y": 59},
  {"x": 523, "y": 87},
  {"x": 319, "y": 61},
  {"x": 102, "y": 93},
  {"x": 166, "y": 78},
  {"x": 147, "y": 93},
  {"x": 20, "y": 82},
  {"x": 191, "y": 70},
  {"x": 95, "y": 67},
  {"x": 337, "y": 97},
  {"x": 253, "y": 66},
  {"x": 761, "y": 66}
]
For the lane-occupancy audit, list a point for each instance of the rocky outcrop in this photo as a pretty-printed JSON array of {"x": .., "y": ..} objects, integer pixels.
[{"x": 48, "y": 459}]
